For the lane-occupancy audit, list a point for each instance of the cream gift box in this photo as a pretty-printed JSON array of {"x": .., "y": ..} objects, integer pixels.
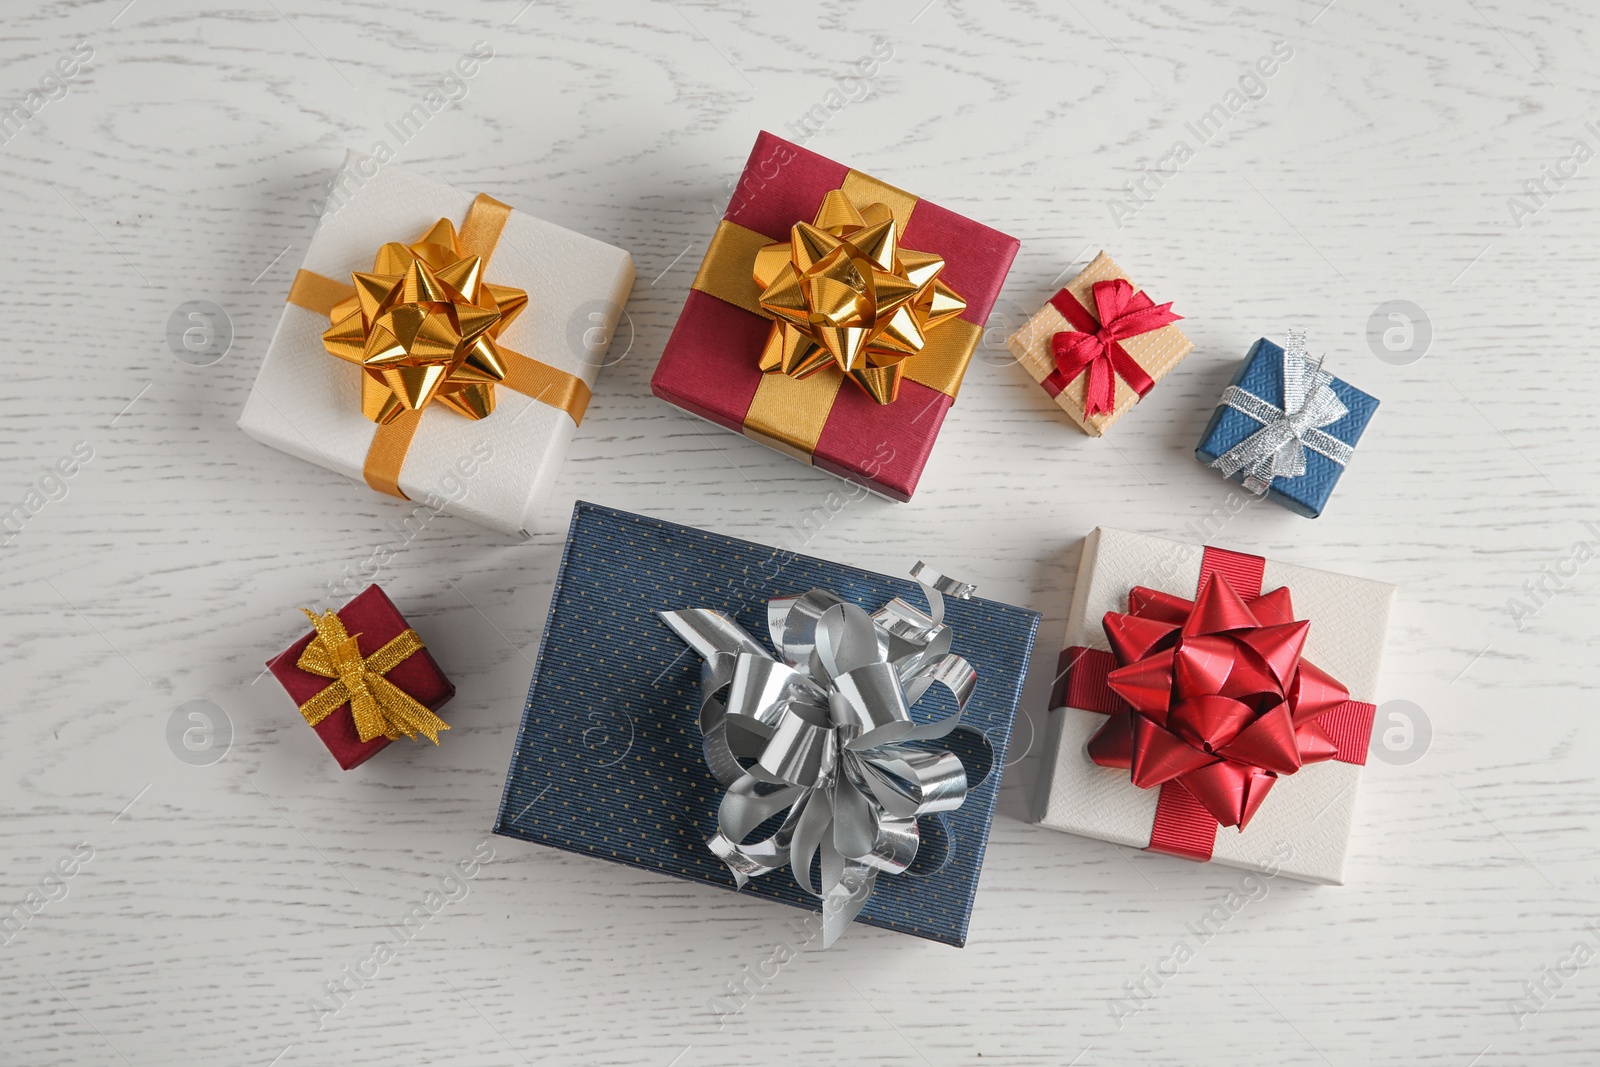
[
  {"x": 497, "y": 470},
  {"x": 1302, "y": 828}
]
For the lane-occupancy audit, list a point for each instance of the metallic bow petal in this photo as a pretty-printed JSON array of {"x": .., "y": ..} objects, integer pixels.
[
  {"x": 825, "y": 734},
  {"x": 422, "y": 326},
  {"x": 1218, "y": 697},
  {"x": 1277, "y": 450},
  {"x": 843, "y": 291}
]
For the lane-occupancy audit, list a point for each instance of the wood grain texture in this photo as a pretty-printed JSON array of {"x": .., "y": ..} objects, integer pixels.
[{"x": 1376, "y": 166}]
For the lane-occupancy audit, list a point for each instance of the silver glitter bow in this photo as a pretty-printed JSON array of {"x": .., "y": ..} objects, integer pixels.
[
  {"x": 1277, "y": 450},
  {"x": 825, "y": 734}
]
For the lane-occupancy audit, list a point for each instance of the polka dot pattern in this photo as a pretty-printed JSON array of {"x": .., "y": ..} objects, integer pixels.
[{"x": 608, "y": 759}]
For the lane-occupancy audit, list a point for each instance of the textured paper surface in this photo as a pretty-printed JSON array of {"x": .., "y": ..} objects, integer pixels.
[
  {"x": 1310, "y": 811},
  {"x": 308, "y": 404},
  {"x": 1157, "y": 351}
]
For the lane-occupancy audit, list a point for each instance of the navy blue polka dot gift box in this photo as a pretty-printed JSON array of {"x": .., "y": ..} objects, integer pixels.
[{"x": 608, "y": 760}]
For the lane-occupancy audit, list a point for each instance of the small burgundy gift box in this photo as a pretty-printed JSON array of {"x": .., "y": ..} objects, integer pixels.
[{"x": 362, "y": 678}]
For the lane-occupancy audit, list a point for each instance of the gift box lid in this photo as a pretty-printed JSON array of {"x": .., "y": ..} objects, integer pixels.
[
  {"x": 709, "y": 365},
  {"x": 608, "y": 758},
  {"x": 1261, "y": 374}
]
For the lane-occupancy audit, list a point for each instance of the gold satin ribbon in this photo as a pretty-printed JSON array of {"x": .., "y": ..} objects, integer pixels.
[
  {"x": 386, "y": 455},
  {"x": 467, "y": 389},
  {"x": 314, "y": 292},
  {"x": 480, "y": 230},
  {"x": 379, "y": 707},
  {"x": 789, "y": 413}
]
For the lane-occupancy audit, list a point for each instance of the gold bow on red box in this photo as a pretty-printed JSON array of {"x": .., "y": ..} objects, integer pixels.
[
  {"x": 843, "y": 291},
  {"x": 378, "y": 707},
  {"x": 846, "y": 299}
]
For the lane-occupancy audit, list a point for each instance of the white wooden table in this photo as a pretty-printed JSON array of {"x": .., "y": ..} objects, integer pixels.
[{"x": 211, "y": 901}]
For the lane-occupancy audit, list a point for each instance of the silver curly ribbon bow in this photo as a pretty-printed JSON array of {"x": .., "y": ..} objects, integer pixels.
[
  {"x": 824, "y": 735},
  {"x": 1277, "y": 450}
]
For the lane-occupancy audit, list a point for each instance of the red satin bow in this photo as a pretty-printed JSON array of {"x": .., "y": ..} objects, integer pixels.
[
  {"x": 1092, "y": 343},
  {"x": 1220, "y": 700}
]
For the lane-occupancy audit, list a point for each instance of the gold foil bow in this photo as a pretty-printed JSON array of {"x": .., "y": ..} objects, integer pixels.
[
  {"x": 424, "y": 326},
  {"x": 379, "y": 707},
  {"x": 843, "y": 291}
]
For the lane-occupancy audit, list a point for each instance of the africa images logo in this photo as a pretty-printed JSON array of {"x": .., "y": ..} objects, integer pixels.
[{"x": 54, "y": 84}]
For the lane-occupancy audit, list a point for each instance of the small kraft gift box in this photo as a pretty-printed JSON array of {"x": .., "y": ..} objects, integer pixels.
[
  {"x": 1099, "y": 345},
  {"x": 833, "y": 317},
  {"x": 363, "y": 678},
  {"x": 845, "y": 760},
  {"x": 439, "y": 346},
  {"x": 1213, "y": 705},
  {"x": 1286, "y": 428}
]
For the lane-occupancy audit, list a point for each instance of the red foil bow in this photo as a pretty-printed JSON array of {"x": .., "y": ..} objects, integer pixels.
[
  {"x": 1092, "y": 343},
  {"x": 1210, "y": 700},
  {"x": 1219, "y": 698}
]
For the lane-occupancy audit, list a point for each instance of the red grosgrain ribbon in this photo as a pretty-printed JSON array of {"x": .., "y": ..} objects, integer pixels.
[
  {"x": 1092, "y": 343},
  {"x": 1211, "y": 701}
]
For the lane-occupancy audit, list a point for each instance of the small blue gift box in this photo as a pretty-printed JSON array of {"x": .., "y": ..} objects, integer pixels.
[
  {"x": 1261, "y": 375},
  {"x": 608, "y": 760}
]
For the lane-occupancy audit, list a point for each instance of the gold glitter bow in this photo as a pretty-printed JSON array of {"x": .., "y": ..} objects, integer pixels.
[
  {"x": 379, "y": 707},
  {"x": 842, "y": 290}
]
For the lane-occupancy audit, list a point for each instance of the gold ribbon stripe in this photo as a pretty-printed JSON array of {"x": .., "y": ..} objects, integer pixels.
[
  {"x": 725, "y": 272},
  {"x": 546, "y": 384},
  {"x": 480, "y": 230},
  {"x": 386, "y": 455},
  {"x": 943, "y": 361},
  {"x": 314, "y": 292},
  {"x": 864, "y": 189},
  {"x": 789, "y": 413}
]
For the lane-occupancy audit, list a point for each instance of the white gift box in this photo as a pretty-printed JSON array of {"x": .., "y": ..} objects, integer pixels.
[
  {"x": 495, "y": 471},
  {"x": 1302, "y": 829}
]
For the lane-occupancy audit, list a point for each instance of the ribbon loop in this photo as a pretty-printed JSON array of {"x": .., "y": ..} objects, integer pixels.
[
  {"x": 1277, "y": 449},
  {"x": 911, "y": 782},
  {"x": 846, "y": 639},
  {"x": 801, "y": 750},
  {"x": 955, "y": 674},
  {"x": 869, "y": 706},
  {"x": 827, "y": 734}
]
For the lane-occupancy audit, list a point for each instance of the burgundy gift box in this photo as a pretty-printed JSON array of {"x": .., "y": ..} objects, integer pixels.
[
  {"x": 710, "y": 364},
  {"x": 373, "y": 620}
]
